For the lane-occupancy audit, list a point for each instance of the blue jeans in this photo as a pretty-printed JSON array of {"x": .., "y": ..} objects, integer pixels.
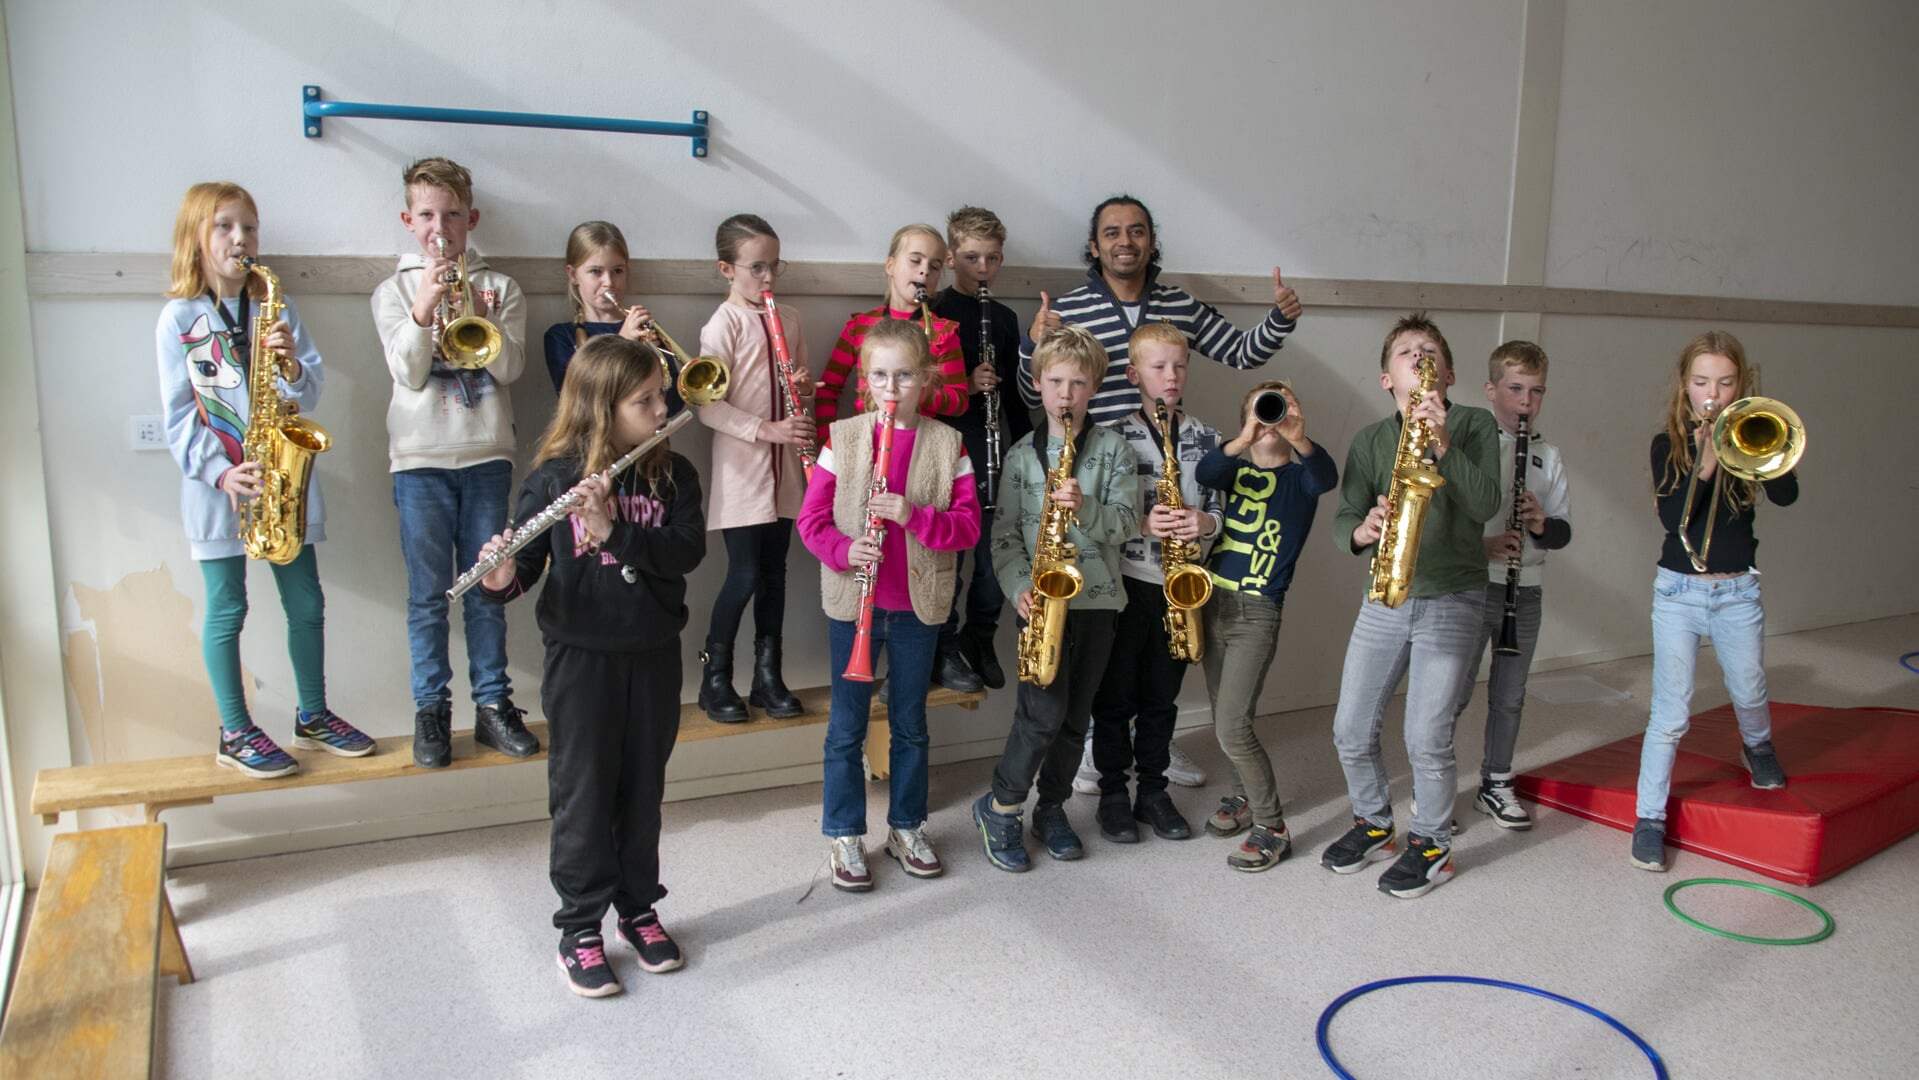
[
  {"x": 445, "y": 515},
  {"x": 983, "y": 596},
  {"x": 1428, "y": 640},
  {"x": 1686, "y": 608},
  {"x": 910, "y": 647}
]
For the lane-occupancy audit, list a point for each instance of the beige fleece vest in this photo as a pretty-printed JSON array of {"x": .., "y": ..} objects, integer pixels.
[{"x": 930, "y": 575}]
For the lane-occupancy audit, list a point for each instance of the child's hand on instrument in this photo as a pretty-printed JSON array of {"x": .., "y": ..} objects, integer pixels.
[
  {"x": 864, "y": 552},
  {"x": 802, "y": 380},
  {"x": 500, "y": 576},
  {"x": 279, "y": 342},
  {"x": 426, "y": 302},
  {"x": 1531, "y": 514},
  {"x": 892, "y": 506},
  {"x": 1024, "y": 605},
  {"x": 633, "y": 327},
  {"x": 241, "y": 483},
  {"x": 1433, "y": 411},
  {"x": 1506, "y": 545},
  {"x": 1067, "y": 494},
  {"x": 1369, "y": 531},
  {"x": 1292, "y": 426},
  {"x": 1703, "y": 451},
  {"x": 984, "y": 379},
  {"x": 792, "y": 431},
  {"x": 589, "y": 503}
]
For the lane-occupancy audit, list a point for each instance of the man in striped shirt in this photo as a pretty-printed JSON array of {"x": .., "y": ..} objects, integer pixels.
[{"x": 1123, "y": 290}]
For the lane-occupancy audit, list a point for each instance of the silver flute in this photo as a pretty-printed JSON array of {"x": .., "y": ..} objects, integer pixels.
[
  {"x": 536, "y": 526},
  {"x": 986, "y": 356}
]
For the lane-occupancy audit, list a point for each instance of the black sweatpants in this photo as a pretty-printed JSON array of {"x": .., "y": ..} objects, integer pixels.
[
  {"x": 612, "y": 718},
  {"x": 1049, "y": 723},
  {"x": 1140, "y": 692}
]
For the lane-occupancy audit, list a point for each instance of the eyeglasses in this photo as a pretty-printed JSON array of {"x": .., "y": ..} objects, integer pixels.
[
  {"x": 762, "y": 270},
  {"x": 892, "y": 378}
]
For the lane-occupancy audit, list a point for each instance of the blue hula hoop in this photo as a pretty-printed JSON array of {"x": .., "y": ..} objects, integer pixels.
[
  {"x": 1906, "y": 661},
  {"x": 1326, "y": 1018}
]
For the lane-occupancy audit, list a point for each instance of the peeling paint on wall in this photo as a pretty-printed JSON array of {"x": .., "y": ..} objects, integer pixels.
[{"x": 135, "y": 668}]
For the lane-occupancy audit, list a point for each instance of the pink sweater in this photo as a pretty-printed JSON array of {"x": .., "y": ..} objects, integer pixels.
[{"x": 954, "y": 529}]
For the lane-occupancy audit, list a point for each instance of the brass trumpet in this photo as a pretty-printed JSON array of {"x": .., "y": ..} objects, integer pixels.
[
  {"x": 1754, "y": 438},
  {"x": 467, "y": 341},
  {"x": 701, "y": 381}
]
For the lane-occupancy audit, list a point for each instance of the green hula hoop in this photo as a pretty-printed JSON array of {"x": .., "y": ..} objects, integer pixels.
[{"x": 1824, "y": 932}]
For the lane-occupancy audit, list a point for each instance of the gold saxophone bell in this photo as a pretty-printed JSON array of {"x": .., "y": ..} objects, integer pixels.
[
  {"x": 469, "y": 341},
  {"x": 1754, "y": 438}
]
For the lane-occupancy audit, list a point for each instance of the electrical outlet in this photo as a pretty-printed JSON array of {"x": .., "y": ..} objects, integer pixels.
[{"x": 146, "y": 433}]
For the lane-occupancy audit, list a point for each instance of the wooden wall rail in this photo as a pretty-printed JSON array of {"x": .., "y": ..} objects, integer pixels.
[{"x": 86, "y": 275}]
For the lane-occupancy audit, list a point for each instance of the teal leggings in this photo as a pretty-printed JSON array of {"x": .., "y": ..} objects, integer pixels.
[{"x": 300, "y": 596}]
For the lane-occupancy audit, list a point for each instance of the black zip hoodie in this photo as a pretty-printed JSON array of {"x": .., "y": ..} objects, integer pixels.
[{"x": 628, "y": 595}]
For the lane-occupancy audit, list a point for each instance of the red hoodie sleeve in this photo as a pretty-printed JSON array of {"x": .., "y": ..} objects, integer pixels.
[
  {"x": 842, "y": 364},
  {"x": 817, "y": 529},
  {"x": 949, "y": 397}
]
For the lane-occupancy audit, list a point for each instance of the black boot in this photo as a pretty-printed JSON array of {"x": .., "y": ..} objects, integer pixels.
[
  {"x": 433, "y": 736},
  {"x": 717, "y": 697},
  {"x": 950, "y": 670},
  {"x": 770, "y": 694},
  {"x": 976, "y": 645}
]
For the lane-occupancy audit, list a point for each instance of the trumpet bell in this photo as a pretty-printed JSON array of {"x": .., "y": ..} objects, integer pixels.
[
  {"x": 1758, "y": 438},
  {"x": 703, "y": 380},
  {"x": 470, "y": 343}
]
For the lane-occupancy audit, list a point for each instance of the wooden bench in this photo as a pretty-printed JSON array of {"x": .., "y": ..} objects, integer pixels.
[
  {"x": 164, "y": 783},
  {"x": 101, "y": 935}
]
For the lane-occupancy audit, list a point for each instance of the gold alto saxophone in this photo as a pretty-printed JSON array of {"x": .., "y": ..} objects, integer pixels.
[
  {"x": 1188, "y": 586},
  {"x": 1056, "y": 576},
  {"x": 1408, "y": 498},
  {"x": 273, "y": 525}
]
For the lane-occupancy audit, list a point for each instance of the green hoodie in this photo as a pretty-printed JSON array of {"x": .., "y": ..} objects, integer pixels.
[{"x": 1451, "y": 558}]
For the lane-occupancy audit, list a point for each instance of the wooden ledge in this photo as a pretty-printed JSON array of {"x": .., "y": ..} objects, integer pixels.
[{"x": 161, "y": 783}]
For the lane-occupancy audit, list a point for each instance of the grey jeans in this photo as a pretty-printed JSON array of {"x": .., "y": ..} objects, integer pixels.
[
  {"x": 1506, "y": 684},
  {"x": 1428, "y": 640},
  {"x": 1242, "y": 631}
]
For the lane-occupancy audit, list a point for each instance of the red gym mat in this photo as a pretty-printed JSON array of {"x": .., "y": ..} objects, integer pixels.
[{"x": 1852, "y": 789}]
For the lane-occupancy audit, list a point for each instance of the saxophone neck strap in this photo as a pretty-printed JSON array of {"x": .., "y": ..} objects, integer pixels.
[
  {"x": 1042, "y": 438},
  {"x": 237, "y": 333}
]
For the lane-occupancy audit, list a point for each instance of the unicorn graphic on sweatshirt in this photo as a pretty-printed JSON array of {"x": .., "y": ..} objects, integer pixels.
[{"x": 212, "y": 368}]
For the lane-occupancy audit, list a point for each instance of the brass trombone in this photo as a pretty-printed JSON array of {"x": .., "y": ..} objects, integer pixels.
[
  {"x": 1754, "y": 438},
  {"x": 469, "y": 341}
]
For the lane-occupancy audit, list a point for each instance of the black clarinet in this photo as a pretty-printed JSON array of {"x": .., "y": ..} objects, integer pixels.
[
  {"x": 992, "y": 398},
  {"x": 1509, "y": 623}
]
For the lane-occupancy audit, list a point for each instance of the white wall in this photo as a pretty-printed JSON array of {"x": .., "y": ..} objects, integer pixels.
[{"x": 1348, "y": 141}]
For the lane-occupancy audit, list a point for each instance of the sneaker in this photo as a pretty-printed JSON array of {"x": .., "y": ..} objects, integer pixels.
[
  {"x": 1086, "y": 781},
  {"x": 1049, "y": 822},
  {"x": 914, "y": 851},
  {"x": 1156, "y": 808},
  {"x": 849, "y": 865},
  {"x": 1763, "y": 764},
  {"x": 1181, "y": 770},
  {"x": 1649, "y": 845},
  {"x": 1116, "y": 819},
  {"x": 1497, "y": 798},
  {"x": 659, "y": 953},
  {"x": 324, "y": 730},
  {"x": 1001, "y": 834},
  {"x": 583, "y": 958},
  {"x": 499, "y": 726},
  {"x": 1362, "y": 844},
  {"x": 1425, "y": 865},
  {"x": 251, "y": 751},
  {"x": 1231, "y": 818},
  {"x": 1262, "y": 849},
  {"x": 433, "y": 736}
]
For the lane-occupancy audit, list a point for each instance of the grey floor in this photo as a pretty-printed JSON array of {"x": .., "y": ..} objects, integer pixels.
[{"x": 433, "y": 957}]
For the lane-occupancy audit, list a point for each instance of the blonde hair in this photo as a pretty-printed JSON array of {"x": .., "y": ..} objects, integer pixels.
[
  {"x": 1071, "y": 345},
  {"x": 904, "y": 231},
  {"x": 585, "y": 239},
  {"x": 974, "y": 222},
  {"x": 1740, "y": 494},
  {"x": 1159, "y": 332},
  {"x": 1527, "y": 357},
  {"x": 444, "y": 173},
  {"x": 197, "y": 209},
  {"x": 901, "y": 334},
  {"x": 606, "y": 371}
]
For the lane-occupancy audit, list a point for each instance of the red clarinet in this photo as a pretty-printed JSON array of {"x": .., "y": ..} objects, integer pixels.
[
  {"x": 789, "y": 382},
  {"x": 860, "y": 667}
]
